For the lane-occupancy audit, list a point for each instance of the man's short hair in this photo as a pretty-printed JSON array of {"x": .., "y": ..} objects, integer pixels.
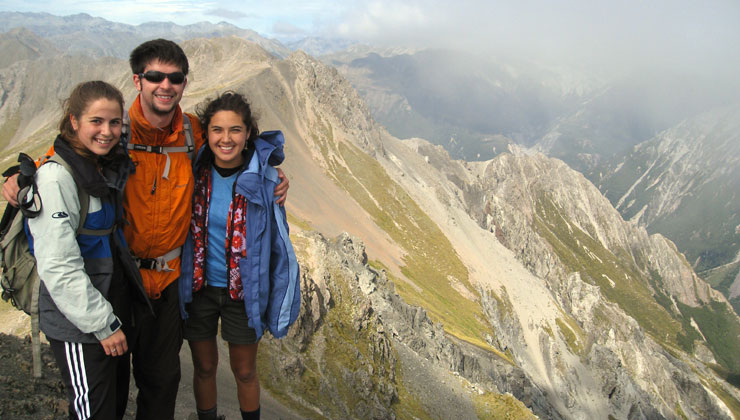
[{"x": 162, "y": 50}]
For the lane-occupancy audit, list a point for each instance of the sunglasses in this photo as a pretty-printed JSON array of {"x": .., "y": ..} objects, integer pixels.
[{"x": 154, "y": 76}]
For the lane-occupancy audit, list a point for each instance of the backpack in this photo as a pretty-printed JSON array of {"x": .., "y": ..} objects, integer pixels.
[{"x": 20, "y": 280}]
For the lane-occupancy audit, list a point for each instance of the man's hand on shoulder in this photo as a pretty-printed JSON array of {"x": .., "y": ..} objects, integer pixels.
[
  {"x": 10, "y": 190},
  {"x": 281, "y": 190}
]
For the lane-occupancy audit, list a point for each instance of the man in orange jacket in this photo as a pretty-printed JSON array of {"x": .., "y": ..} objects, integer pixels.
[{"x": 157, "y": 206}]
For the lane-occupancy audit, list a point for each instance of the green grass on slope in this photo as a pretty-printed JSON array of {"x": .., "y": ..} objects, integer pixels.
[
  {"x": 721, "y": 278},
  {"x": 35, "y": 145},
  {"x": 720, "y": 327},
  {"x": 8, "y": 129},
  {"x": 703, "y": 227},
  {"x": 729, "y": 399},
  {"x": 431, "y": 261},
  {"x": 573, "y": 334}
]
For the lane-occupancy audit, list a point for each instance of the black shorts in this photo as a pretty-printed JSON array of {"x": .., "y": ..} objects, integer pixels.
[{"x": 208, "y": 305}]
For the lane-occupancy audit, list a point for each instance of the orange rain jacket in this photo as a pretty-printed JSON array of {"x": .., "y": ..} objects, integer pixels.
[{"x": 158, "y": 210}]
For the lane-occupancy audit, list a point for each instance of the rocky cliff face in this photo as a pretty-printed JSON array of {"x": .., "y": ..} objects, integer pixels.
[
  {"x": 609, "y": 315},
  {"x": 540, "y": 185},
  {"x": 355, "y": 324},
  {"x": 567, "y": 234},
  {"x": 684, "y": 183}
]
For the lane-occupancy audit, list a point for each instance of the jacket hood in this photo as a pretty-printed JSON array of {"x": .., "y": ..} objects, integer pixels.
[{"x": 269, "y": 147}]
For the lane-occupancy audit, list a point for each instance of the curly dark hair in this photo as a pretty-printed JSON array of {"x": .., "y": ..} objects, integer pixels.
[
  {"x": 162, "y": 50},
  {"x": 228, "y": 101}
]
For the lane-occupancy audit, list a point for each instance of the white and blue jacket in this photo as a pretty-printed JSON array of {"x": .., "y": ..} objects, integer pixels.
[{"x": 77, "y": 271}]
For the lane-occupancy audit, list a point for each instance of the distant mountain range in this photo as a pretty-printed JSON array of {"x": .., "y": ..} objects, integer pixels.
[
  {"x": 439, "y": 288},
  {"x": 97, "y": 37}
]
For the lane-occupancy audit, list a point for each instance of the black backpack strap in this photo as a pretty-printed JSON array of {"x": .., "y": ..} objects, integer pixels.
[{"x": 29, "y": 204}]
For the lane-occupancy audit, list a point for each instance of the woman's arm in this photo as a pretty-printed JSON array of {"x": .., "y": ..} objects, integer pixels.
[{"x": 59, "y": 261}]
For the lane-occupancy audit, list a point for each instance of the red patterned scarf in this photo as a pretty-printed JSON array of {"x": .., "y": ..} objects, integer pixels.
[{"x": 235, "y": 241}]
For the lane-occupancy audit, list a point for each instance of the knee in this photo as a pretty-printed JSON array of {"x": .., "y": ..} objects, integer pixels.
[
  {"x": 245, "y": 374},
  {"x": 205, "y": 369}
]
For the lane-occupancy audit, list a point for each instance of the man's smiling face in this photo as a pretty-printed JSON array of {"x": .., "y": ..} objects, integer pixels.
[{"x": 160, "y": 98}]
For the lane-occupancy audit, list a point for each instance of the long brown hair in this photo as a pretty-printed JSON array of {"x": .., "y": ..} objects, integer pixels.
[{"x": 79, "y": 100}]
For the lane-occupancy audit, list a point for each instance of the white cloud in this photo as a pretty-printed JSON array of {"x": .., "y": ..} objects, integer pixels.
[
  {"x": 385, "y": 20},
  {"x": 599, "y": 35},
  {"x": 227, "y": 13}
]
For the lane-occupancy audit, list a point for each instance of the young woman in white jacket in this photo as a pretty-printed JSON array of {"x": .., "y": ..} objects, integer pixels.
[{"x": 88, "y": 278}]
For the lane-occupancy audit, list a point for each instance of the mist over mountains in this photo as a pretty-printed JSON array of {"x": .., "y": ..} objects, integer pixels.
[
  {"x": 435, "y": 287},
  {"x": 475, "y": 107}
]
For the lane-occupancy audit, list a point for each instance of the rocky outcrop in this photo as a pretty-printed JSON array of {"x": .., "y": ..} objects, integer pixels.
[
  {"x": 337, "y": 359},
  {"x": 335, "y": 100},
  {"x": 338, "y": 272},
  {"x": 513, "y": 184}
]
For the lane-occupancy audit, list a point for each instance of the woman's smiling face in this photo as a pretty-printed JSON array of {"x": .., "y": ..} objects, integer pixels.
[
  {"x": 227, "y": 137},
  {"x": 99, "y": 126}
]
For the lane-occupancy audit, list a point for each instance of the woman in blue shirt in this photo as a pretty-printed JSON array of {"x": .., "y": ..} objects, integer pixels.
[{"x": 238, "y": 263}]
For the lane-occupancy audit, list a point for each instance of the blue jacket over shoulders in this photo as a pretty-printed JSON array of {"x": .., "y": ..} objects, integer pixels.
[{"x": 269, "y": 273}]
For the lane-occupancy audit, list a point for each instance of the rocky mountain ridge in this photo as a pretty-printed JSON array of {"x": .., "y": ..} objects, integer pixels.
[
  {"x": 508, "y": 213},
  {"x": 512, "y": 275},
  {"x": 21, "y": 44}
]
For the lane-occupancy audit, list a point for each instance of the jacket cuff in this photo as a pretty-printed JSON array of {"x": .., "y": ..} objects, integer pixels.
[{"x": 112, "y": 326}]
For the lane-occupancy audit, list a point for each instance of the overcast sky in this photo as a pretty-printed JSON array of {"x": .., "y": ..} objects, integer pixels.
[{"x": 665, "y": 34}]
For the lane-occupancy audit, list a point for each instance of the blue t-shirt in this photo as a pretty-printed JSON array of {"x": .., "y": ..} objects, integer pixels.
[{"x": 218, "y": 212}]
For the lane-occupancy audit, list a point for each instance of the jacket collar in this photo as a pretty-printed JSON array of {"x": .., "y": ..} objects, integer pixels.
[{"x": 85, "y": 171}]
